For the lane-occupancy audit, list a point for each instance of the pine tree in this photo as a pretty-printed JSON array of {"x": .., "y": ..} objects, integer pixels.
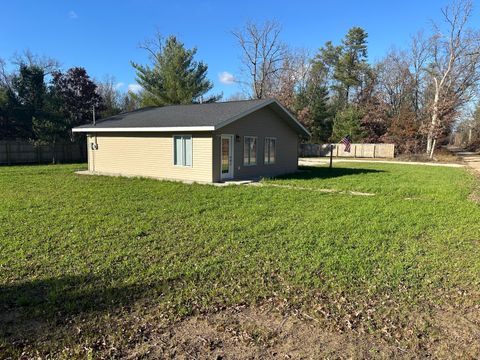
[
  {"x": 313, "y": 109},
  {"x": 27, "y": 97},
  {"x": 174, "y": 77},
  {"x": 348, "y": 122},
  {"x": 352, "y": 63}
]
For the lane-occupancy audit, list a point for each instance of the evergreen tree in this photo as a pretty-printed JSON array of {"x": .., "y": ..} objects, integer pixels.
[
  {"x": 352, "y": 63},
  {"x": 130, "y": 101},
  {"x": 9, "y": 127},
  {"x": 27, "y": 98},
  {"x": 174, "y": 77},
  {"x": 313, "y": 100},
  {"x": 313, "y": 109},
  {"x": 49, "y": 127},
  {"x": 348, "y": 122},
  {"x": 321, "y": 115},
  {"x": 325, "y": 63}
]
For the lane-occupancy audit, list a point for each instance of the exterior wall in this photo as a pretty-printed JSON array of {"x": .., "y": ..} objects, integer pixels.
[
  {"x": 262, "y": 123},
  {"x": 149, "y": 155}
]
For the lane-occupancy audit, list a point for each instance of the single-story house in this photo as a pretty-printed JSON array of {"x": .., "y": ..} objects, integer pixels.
[{"x": 210, "y": 142}]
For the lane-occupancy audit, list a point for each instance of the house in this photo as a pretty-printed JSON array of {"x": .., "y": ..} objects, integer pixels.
[{"x": 210, "y": 142}]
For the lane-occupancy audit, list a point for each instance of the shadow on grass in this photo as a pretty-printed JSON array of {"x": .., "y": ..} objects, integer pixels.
[
  {"x": 32, "y": 309},
  {"x": 314, "y": 172}
]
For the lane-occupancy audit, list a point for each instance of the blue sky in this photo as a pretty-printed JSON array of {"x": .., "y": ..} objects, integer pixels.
[{"x": 103, "y": 36}]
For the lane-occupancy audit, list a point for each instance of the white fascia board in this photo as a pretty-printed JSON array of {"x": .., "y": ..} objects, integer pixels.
[{"x": 143, "y": 129}]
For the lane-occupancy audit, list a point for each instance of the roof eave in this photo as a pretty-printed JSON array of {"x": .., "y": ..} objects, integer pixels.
[{"x": 93, "y": 129}]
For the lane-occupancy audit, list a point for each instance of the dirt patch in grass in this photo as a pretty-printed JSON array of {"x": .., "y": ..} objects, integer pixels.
[
  {"x": 326, "y": 191},
  {"x": 259, "y": 333},
  {"x": 475, "y": 192},
  {"x": 247, "y": 333},
  {"x": 266, "y": 331},
  {"x": 475, "y": 196},
  {"x": 458, "y": 334}
]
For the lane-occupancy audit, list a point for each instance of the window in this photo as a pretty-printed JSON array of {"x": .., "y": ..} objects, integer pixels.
[
  {"x": 182, "y": 150},
  {"x": 249, "y": 150},
  {"x": 270, "y": 150}
]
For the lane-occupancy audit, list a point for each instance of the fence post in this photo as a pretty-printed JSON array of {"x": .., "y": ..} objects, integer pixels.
[
  {"x": 7, "y": 151},
  {"x": 63, "y": 153},
  {"x": 374, "y": 148},
  {"x": 37, "y": 153}
]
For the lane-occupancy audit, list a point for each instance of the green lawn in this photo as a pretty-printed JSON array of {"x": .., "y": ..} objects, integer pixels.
[{"x": 84, "y": 247}]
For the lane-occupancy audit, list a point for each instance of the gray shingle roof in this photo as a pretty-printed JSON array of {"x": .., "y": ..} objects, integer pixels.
[
  {"x": 209, "y": 114},
  {"x": 212, "y": 115}
]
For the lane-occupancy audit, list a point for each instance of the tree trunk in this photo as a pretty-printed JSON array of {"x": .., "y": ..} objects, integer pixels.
[
  {"x": 430, "y": 138},
  {"x": 429, "y": 144},
  {"x": 434, "y": 143}
]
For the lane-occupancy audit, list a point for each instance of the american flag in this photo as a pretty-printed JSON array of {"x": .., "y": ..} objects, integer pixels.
[{"x": 346, "y": 141}]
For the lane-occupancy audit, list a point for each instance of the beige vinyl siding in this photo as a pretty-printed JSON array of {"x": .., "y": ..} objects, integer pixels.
[
  {"x": 261, "y": 124},
  {"x": 150, "y": 155}
]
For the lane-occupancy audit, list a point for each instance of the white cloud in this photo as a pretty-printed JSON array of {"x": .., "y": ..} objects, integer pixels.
[
  {"x": 72, "y": 14},
  {"x": 135, "y": 88},
  {"x": 119, "y": 85},
  {"x": 226, "y": 78}
]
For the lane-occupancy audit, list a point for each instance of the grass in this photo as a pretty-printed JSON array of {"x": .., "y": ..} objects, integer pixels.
[{"x": 84, "y": 247}]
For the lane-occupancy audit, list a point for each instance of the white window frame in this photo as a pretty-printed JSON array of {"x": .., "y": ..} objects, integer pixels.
[
  {"x": 183, "y": 137},
  {"x": 256, "y": 151},
  {"x": 268, "y": 162}
]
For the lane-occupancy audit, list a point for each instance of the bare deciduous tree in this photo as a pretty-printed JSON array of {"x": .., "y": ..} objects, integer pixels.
[
  {"x": 47, "y": 64},
  {"x": 290, "y": 78},
  {"x": 110, "y": 95},
  {"x": 395, "y": 80},
  {"x": 454, "y": 68},
  {"x": 263, "y": 54},
  {"x": 5, "y": 78},
  {"x": 417, "y": 58}
]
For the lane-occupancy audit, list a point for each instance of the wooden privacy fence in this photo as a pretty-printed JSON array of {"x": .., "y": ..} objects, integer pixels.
[
  {"x": 25, "y": 152},
  {"x": 356, "y": 150}
]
